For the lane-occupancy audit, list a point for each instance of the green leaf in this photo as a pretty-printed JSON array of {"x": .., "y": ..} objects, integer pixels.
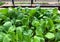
[
  {"x": 58, "y": 41},
  {"x": 38, "y": 39},
  {"x": 7, "y": 24},
  {"x": 11, "y": 29},
  {"x": 27, "y": 35},
  {"x": 2, "y": 35},
  {"x": 6, "y": 39},
  {"x": 55, "y": 11},
  {"x": 57, "y": 36},
  {"x": 50, "y": 35},
  {"x": 35, "y": 23},
  {"x": 19, "y": 33},
  {"x": 58, "y": 27}
]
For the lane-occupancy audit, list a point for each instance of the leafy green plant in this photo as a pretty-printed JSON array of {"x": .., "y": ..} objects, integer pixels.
[
  {"x": 1, "y": 3},
  {"x": 29, "y": 25}
]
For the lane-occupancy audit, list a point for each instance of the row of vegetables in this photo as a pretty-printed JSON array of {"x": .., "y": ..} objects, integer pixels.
[{"x": 29, "y": 25}]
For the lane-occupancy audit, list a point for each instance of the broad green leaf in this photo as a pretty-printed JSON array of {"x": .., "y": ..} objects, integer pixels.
[
  {"x": 57, "y": 36},
  {"x": 11, "y": 29},
  {"x": 35, "y": 23},
  {"x": 58, "y": 27},
  {"x": 27, "y": 35},
  {"x": 7, "y": 24},
  {"x": 6, "y": 39},
  {"x": 2, "y": 35},
  {"x": 38, "y": 39},
  {"x": 19, "y": 33},
  {"x": 50, "y": 35}
]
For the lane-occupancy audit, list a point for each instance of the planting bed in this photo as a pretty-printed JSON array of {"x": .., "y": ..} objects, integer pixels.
[{"x": 29, "y": 25}]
